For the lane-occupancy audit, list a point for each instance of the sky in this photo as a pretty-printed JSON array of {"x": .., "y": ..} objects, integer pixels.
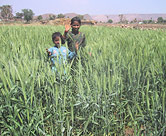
[{"x": 91, "y": 7}]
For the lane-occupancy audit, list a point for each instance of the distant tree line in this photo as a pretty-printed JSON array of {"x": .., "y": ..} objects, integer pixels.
[
  {"x": 160, "y": 20},
  {"x": 123, "y": 20},
  {"x": 6, "y": 14}
]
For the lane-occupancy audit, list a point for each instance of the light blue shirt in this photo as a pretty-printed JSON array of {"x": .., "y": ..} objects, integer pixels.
[{"x": 60, "y": 55}]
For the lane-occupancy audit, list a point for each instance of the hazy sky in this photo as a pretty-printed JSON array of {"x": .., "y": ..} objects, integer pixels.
[{"x": 92, "y": 7}]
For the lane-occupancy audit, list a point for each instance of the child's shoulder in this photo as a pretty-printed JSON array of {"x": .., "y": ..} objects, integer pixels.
[
  {"x": 53, "y": 48},
  {"x": 63, "y": 48}
]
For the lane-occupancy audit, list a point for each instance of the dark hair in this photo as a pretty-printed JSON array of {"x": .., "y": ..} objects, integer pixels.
[
  {"x": 57, "y": 34},
  {"x": 76, "y": 19}
]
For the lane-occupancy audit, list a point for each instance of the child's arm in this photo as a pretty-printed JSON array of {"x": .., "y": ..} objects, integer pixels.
[
  {"x": 71, "y": 55},
  {"x": 81, "y": 43},
  {"x": 67, "y": 28},
  {"x": 77, "y": 46},
  {"x": 49, "y": 53}
]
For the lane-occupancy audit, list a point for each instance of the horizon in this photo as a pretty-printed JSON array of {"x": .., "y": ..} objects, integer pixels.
[{"x": 91, "y": 7}]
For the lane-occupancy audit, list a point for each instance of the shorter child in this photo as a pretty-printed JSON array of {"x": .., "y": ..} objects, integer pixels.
[{"x": 58, "y": 54}]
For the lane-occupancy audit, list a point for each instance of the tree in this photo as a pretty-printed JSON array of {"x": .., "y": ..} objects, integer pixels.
[
  {"x": 6, "y": 12},
  {"x": 145, "y": 21},
  {"x": 39, "y": 17},
  {"x": 52, "y": 17},
  {"x": 121, "y": 18},
  {"x": 160, "y": 20},
  {"x": 60, "y": 16},
  {"x": 110, "y": 21},
  {"x": 28, "y": 14},
  {"x": 150, "y": 21},
  {"x": 19, "y": 15}
]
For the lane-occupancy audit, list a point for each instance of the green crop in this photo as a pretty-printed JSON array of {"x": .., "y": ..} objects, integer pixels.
[{"x": 121, "y": 85}]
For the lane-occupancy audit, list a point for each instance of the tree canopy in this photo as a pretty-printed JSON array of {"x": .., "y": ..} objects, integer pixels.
[
  {"x": 19, "y": 15},
  {"x": 110, "y": 21},
  {"x": 6, "y": 12},
  {"x": 52, "y": 17},
  {"x": 40, "y": 17},
  {"x": 28, "y": 14},
  {"x": 60, "y": 16}
]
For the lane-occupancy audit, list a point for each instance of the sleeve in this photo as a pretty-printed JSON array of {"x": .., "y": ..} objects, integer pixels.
[
  {"x": 53, "y": 52},
  {"x": 50, "y": 50},
  {"x": 71, "y": 55}
]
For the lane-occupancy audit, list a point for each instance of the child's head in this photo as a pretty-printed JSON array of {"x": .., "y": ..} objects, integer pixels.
[
  {"x": 75, "y": 24},
  {"x": 57, "y": 38}
]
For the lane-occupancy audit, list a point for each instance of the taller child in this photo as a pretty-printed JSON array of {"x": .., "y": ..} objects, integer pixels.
[{"x": 75, "y": 39}]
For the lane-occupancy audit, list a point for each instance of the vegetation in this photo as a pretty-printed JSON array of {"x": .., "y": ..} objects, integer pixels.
[
  {"x": 52, "y": 17},
  {"x": 28, "y": 14},
  {"x": 122, "y": 85},
  {"x": 160, "y": 20},
  {"x": 19, "y": 15},
  {"x": 110, "y": 21},
  {"x": 60, "y": 16},
  {"x": 122, "y": 19},
  {"x": 6, "y": 12},
  {"x": 40, "y": 17}
]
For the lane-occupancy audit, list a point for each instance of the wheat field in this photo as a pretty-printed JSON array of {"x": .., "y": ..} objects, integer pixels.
[{"x": 121, "y": 86}]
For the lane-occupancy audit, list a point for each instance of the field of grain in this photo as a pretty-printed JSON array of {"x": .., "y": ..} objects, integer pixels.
[{"x": 119, "y": 90}]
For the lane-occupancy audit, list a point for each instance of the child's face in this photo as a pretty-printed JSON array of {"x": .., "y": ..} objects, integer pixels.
[
  {"x": 57, "y": 41},
  {"x": 75, "y": 26}
]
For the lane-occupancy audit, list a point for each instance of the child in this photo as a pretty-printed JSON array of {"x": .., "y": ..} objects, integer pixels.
[
  {"x": 58, "y": 54},
  {"x": 75, "y": 39}
]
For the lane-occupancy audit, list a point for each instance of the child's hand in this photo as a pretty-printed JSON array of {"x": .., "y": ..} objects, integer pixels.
[
  {"x": 67, "y": 27},
  {"x": 49, "y": 53},
  {"x": 77, "y": 46}
]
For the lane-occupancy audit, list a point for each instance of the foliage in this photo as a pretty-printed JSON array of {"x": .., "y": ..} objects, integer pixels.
[
  {"x": 110, "y": 21},
  {"x": 6, "y": 12},
  {"x": 134, "y": 21},
  {"x": 19, "y": 15},
  {"x": 52, "y": 17},
  {"x": 60, "y": 16},
  {"x": 121, "y": 85},
  {"x": 122, "y": 19},
  {"x": 148, "y": 21},
  {"x": 161, "y": 20},
  {"x": 40, "y": 17},
  {"x": 28, "y": 14}
]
